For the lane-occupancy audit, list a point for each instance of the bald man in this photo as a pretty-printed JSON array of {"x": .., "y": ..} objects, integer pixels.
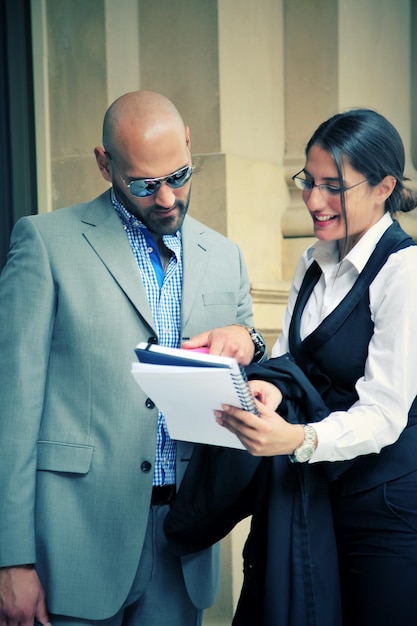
[{"x": 87, "y": 467}]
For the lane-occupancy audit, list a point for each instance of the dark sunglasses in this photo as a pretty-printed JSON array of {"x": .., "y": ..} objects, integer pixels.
[{"x": 143, "y": 187}]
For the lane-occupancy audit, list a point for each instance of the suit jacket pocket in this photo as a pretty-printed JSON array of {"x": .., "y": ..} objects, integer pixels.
[
  {"x": 55, "y": 456},
  {"x": 221, "y": 298}
]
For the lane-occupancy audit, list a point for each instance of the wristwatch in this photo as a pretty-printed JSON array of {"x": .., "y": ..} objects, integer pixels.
[
  {"x": 259, "y": 343},
  {"x": 304, "y": 452}
]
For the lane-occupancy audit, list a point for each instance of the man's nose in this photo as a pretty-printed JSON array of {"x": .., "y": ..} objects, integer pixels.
[{"x": 165, "y": 196}]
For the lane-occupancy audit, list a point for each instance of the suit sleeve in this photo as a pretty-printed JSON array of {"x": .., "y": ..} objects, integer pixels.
[
  {"x": 244, "y": 312},
  {"x": 26, "y": 317}
]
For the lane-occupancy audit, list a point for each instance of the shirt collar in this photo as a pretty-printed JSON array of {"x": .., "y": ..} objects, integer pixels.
[{"x": 326, "y": 252}]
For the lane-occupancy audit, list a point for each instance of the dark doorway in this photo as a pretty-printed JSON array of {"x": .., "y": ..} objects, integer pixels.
[{"x": 17, "y": 130}]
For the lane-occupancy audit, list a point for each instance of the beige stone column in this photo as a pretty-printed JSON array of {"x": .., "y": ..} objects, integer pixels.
[
  {"x": 311, "y": 95},
  {"x": 77, "y": 97},
  {"x": 85, "y": 54},
  {"x": 222, "y": 64},
  {"x": 377, "y": 69},
  {"x": 253, "y": 141}
]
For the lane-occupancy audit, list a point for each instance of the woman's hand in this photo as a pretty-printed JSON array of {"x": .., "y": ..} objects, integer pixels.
[
  {"x": 266, "y": 393},
  {"x": 265, "y": 435}
]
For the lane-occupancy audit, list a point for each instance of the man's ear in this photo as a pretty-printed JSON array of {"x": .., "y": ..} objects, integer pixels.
[
  {"x": 103, "y": 163},
  {"x": 187, "y": 138},
  {"x": 386, "y": 187}
]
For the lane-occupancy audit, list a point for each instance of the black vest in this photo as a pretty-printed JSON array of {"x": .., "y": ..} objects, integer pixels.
[{"x": 333, "y": 358}]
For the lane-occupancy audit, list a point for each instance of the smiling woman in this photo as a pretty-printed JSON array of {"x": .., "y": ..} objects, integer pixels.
[
  {"x": 351, "y": 311},
  {"x": 342, "y": 211},
  {"x": 345, "y": 152}
]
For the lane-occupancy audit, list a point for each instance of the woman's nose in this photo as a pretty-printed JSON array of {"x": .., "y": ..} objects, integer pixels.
[{"x": 314, "y": 199}]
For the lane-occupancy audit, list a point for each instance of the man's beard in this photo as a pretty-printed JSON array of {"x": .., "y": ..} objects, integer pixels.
[
  {"x": 159, "y": 225},
  {"x": 152, "y": 216}
]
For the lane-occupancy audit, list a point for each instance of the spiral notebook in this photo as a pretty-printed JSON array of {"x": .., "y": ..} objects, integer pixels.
[{"x": 188, "y": 386}]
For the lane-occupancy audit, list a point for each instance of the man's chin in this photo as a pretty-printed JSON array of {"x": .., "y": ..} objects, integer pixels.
[{"x": 167, "y": 225}]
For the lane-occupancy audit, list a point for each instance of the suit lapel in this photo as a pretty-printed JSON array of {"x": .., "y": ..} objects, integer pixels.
[
  {"x": 195, "y": 259},
  {"x": 105, "y": 234}
]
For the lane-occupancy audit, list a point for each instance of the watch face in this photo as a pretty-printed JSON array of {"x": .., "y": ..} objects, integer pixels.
[
  {"x": 258, "y": 341},
  {"x": 304, "y": 453}
]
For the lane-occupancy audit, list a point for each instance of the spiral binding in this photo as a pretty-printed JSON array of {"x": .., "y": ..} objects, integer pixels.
[{"x": 243, "y": 391}]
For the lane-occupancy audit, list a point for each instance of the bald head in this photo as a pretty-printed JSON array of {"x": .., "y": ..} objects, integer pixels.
[
  {"x": 144, "y": 137},
  {"x": 137, "y": 121}
]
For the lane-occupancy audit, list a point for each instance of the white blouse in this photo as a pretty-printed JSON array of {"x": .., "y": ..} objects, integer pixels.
[{"x": 389, "y": 385}]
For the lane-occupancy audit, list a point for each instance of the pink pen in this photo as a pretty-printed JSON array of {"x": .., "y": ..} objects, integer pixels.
[{"x": 204, "y": 350}]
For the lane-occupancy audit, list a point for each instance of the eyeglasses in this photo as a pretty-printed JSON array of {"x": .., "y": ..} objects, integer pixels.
[
  {"x": 143, "y": 187},
  {"x": 325, "y": 189}
]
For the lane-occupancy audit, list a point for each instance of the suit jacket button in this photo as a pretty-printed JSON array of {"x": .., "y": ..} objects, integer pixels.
[
  {"x": 149, "y": 404},
  {"x": 146, "y": 466}
]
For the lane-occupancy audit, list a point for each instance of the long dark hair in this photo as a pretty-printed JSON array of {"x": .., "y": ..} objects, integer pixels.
[{"x": 372, "y": 146}]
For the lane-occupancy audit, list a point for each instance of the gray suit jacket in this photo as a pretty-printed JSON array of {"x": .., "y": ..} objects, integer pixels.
[{"x": 75, "y": 431}]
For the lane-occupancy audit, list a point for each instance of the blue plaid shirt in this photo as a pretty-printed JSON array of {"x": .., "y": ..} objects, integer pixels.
[{"x": 164, "y": 296}]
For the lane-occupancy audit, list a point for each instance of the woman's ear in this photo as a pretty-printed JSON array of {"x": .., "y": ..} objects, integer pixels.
[
  {"x": 102, "y": 160},
  {"x": 386, "y": 187}
]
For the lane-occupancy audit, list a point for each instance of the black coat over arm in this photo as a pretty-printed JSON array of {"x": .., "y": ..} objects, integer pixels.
[{"x": 290, "y": 563}]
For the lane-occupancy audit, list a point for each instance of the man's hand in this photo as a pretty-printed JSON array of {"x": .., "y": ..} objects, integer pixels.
[
  {"x": 234, "y": 341},
  {"x": 22, "y": 599}
]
